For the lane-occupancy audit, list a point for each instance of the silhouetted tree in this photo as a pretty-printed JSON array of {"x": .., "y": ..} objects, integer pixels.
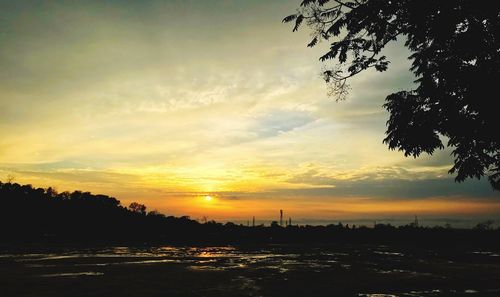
[
  {"x": 155, "y": 213},
  {"x": 455, "y": 53},
  {"x": 37, "y": 215},
  {"x": 486, "y": 225},
  {"x": 10, "y": 178},
  {"x": 137, "y": 208},
  {"x": 51, "y": 192}
]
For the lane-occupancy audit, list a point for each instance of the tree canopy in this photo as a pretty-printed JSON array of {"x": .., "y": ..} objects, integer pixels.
[{"x": 455, "y": 54}]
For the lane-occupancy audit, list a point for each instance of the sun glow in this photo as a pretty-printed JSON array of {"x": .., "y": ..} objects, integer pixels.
[{"x": 208, "y": 198}]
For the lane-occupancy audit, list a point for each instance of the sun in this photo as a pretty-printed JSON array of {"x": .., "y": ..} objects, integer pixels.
[{"x": 208, "y": 198}]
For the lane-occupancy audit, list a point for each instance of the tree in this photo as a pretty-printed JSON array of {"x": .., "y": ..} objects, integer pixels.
[
  {"x": 51, "y": 192},
  {"x": 137, "y": 208},
  {"x": 10, "y": 178},
  {"x": 455, "y": 54},
  {"x": 486, "y": 225}
]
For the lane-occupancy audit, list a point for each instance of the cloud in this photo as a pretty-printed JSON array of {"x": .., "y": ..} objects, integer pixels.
[
  {"x": 386, "y": 183},
  {"x": 167, "y": 100},
  {"x": 396, "y": 188},
  {"x": 280, "y": 121}
]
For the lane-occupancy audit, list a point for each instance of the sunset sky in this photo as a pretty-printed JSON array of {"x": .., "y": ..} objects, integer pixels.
[{"x": 167, "y": 102}]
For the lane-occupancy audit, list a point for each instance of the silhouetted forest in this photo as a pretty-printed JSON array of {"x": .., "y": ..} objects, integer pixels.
[{"x": 37, "y": 215}]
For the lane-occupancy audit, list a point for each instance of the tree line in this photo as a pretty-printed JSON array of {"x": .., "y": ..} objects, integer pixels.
[{"x": 43, "y": 215}]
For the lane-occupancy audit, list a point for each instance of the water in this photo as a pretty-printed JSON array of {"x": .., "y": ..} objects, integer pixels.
[{"x": 277, "y": 270}]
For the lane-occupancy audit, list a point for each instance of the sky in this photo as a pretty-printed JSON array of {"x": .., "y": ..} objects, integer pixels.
[{"x": 168, "y": 102}]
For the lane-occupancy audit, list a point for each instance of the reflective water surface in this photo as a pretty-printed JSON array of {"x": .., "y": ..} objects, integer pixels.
[{"x": 277, "y": 270}]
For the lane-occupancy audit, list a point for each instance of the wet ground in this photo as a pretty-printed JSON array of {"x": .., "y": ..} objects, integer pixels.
[{"x": 278, "y": 270}]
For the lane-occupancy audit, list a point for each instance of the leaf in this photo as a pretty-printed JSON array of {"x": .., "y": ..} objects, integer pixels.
[
  {"x": 313, "y": 42},
  {"x": 298, "y": 21},
  {"x": 329, "y": 55},
  {"x": 335, "y": 28},
  {"x": 307, "y": 2},
  {"x": 289, "y": 18}
]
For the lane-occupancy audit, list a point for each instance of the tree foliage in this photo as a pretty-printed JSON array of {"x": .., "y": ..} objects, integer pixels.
[
  {"x": 39, "y": 214},
  {"x": 137, "y": 208},
  {"x": 455, "y": 54},
  {"x": 43, "y": 216}
]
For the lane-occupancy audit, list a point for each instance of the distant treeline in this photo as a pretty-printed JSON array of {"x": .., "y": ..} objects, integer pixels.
[{"x": 37, "y": 215}]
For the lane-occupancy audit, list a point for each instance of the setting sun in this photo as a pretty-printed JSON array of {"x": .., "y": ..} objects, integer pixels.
[{"x": 208, "y": 198}]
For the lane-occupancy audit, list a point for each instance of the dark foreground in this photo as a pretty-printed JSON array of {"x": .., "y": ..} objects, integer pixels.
[{"x": 272, "y": 270}]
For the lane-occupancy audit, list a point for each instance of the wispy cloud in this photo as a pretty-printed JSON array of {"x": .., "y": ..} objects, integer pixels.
[{"x": 167, "y": 101}]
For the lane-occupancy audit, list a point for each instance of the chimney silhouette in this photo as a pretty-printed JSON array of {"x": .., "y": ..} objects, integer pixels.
[
  {"x": 281, "y": 217},
  {"x": 253, "y": 221}
]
